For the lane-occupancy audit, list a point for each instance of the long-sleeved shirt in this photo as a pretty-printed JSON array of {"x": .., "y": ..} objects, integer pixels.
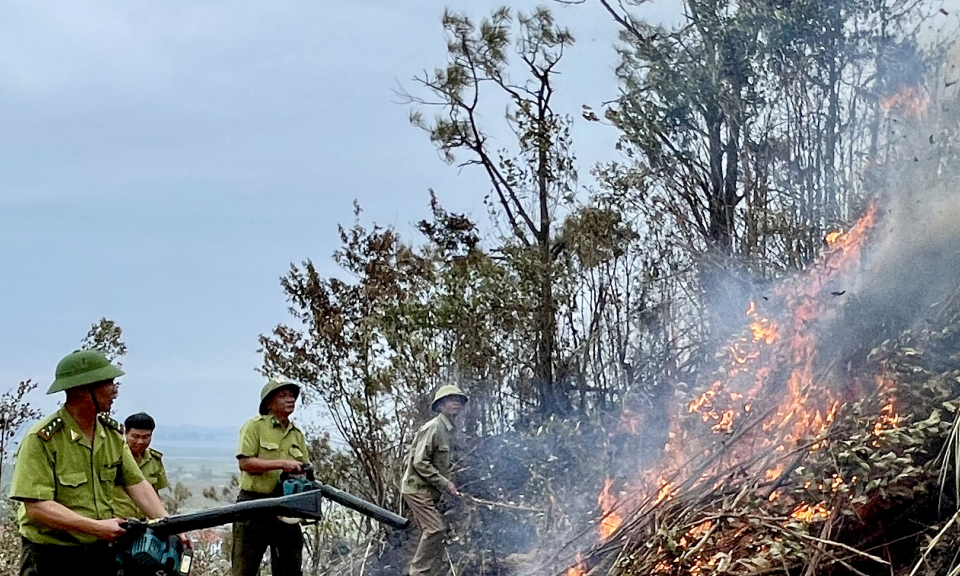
[{"x": 428, "y": 462}]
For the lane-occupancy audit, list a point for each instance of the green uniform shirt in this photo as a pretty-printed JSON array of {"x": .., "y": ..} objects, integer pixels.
[
  {"x": 428, "y": 463},
  {"x": 264, "y": 437},
  {"x": 151, "y": 466},
  {"x": 56, "y": 462}
]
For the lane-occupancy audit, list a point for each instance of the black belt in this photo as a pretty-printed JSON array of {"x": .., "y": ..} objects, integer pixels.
[{"x": 246, "y": 495}]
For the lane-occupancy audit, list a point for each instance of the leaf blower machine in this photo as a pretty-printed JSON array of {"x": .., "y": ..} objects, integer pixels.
[{"x": 152, "y": 548}]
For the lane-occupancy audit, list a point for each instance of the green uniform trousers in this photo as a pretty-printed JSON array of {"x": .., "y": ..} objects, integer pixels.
[
  {"x": 54, "y": 560},
  {"x": 428, "y": 559},
  {"x": 252, "y": 538}
]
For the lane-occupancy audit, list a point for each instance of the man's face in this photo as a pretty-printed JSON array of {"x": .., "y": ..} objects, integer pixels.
[
  {"x": 451, "y": 406},
  {"x": 283, "y": 402},
  {"x": 105, "y": 394},
  {"x": 138, "y": 440}
]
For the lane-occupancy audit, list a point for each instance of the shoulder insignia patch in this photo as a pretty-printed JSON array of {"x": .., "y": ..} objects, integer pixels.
[
  {"x": 156, "y": 453},
  {"x": 50, "y": 430},
  {"x": 110, "y": 422}
]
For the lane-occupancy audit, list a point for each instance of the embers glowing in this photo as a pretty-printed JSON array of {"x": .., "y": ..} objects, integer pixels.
[
  {"x": 807, "y": 513},
  {"x": 888, "y": 418},
  {"x": 837, "y": 483}
]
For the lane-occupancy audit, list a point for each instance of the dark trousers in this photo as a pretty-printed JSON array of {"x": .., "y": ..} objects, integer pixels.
[
  {"x": 252, "y": 538},
  {"x": 54, "y": 560}
]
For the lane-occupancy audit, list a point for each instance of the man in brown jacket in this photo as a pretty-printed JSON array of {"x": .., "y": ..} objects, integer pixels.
[{"x": 427, "y": 476}]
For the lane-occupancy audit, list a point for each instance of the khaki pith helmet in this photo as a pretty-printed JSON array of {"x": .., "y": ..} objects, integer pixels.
[
  {"x": 445, "y": 392},
  {"x": 274, "y": 385},
  {"x": 82, "y": 368}
]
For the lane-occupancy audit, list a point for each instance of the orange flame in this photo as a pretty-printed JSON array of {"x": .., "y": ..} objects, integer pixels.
[
  {"x": 666, "y": 490},
  {"x": 774, "y": 473},
  {"x": 771, "y": 372},
  {"x": 807, "y": 513},
  {"x": 725, "y": 426},
  {"x": 888, "y": 418},
  {"x": 772, "y": 346},
  {"x": 578, "y": 568},
  {"x": 610, "y": 520},
  {"x": 700, "y": 530},
  {"x": 764, "y": 331},
  {"x": 704, "y": 398},
  {"x": 910, "y": 101}
]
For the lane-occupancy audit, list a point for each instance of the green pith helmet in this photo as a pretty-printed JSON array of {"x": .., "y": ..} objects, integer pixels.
[
  {"x": 274, "y": 385},
  {"x": 447, "y": 391},
  {"x": 82, "y": 368}
]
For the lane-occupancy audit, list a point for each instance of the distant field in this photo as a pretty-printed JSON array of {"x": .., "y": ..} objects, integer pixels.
[{"x": 198, "y": 465}]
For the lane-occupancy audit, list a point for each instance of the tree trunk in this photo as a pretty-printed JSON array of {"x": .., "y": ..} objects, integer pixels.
[
  {"x": 553, "y": 400},
  {"x": 831, "y": 202},
  {"x": 720, "y": 213}
]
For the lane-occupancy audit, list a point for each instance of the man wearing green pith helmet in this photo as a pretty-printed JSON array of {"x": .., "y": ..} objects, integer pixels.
[
  {"x": 67, "y": 468},
  {"x": 270, "y": 444},
  {"x": 427, "y": 476}
]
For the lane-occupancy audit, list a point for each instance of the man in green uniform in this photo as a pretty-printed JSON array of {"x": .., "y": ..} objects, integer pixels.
[
  {"x": 270, "y": 444},
  {"x": 138, "y": 432},
  {"x": 67, "y": 467},
  {"x": 427, "y": 475}
]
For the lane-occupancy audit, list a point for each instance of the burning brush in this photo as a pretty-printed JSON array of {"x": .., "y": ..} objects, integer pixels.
[{"x": 779, "y": 451}]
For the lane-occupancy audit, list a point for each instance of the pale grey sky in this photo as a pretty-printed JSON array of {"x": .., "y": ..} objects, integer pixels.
[{"x": 162, "y": 163}]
